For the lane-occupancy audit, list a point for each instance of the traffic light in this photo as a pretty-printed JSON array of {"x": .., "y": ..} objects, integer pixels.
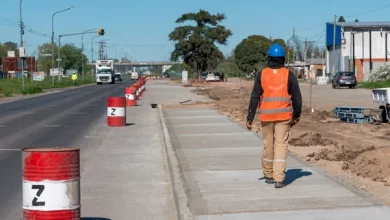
[{"x": 101, "y": 32}]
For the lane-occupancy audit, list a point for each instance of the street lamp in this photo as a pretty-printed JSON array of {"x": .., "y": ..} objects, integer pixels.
[
  {"x": 52, "y": 40},
  {"x": 21, "y": 43},
  {"x": 114, "y": 45},
  {"x": 92, "y": 53},
  {"x": 82, "y": 50}
]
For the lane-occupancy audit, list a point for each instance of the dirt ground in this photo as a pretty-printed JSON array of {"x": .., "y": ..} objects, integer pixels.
[{"x": 357, "y": 154}]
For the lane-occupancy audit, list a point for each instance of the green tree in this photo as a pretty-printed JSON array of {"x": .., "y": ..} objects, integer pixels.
[
  {"x": 196, "y": 44},
  {"x": 8, "y": 46},
  {"x": 71, "y": 58},
  {"x": 251, "y": 53},
  {"x": 341, "y": 19},
  {"x": 70, "y": 55},
  {"x": 45, "y": 61}
]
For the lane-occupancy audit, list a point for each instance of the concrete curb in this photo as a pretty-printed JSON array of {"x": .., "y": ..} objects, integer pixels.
[{"x": 177, "y": 180}]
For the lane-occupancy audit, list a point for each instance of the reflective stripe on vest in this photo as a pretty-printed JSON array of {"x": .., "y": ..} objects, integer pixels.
[{"x": 275, "y": 103}]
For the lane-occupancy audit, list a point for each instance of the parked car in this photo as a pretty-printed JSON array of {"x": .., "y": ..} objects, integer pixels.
[
  {"x": 341, "y": 79},
  {"x": 210, "y": 77},
  {"x": 203, "y": 75},
  {"x": 217, "y": 76}
]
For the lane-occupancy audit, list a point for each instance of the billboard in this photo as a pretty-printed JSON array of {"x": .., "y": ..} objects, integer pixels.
[
  {"x": 329, "y": 34},
  {"x": 14, "y": 64}
]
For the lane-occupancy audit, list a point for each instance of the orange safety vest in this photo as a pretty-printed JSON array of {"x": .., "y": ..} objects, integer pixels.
[{"x": 275, "y": 103}]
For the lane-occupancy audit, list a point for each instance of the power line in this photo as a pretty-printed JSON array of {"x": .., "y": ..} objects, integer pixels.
[
  {"x": 363, "y": 13},
  {"x": 11, "y": 23},
  {"x": 358, "y": 14},
  {"x": 311, "y": 27}
]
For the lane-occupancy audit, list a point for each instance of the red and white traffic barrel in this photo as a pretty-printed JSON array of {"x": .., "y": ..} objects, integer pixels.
[
  {"x": 140, "y": 88},
  {"x": 116, "y": 111},
  {"x": 143, "y": 85},
  {"x": 130, "y": 96},
  {"x": 137, "y": 95},
  {"x": 51, "y": 184}
]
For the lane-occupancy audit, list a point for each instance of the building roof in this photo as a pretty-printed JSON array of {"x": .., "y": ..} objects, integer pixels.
[{"x": 364, "y": 24}]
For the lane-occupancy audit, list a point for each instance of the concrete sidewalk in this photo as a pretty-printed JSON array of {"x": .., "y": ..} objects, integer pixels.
[
  {"x": 221, "y": 165},
  {"x": 125, "y": 175}
]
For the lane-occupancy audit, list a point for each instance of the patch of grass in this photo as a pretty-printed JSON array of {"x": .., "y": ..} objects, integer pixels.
[
  {"x": 10, "y": 87},
  {"x": 373, "y": 85},
  {"x": 8, "y": 94}
]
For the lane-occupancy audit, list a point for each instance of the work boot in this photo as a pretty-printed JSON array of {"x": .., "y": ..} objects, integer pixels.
[
  {"x": 279, "y": 185},
  {"x": 269, "y": 180}
]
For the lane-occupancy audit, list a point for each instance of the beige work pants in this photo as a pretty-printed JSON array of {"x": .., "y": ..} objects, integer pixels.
[{"x": 275, "y": 135}]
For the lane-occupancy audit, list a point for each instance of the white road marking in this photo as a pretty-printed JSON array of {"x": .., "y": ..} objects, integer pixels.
[
  {"x": 55, "y": 126},
  {"x": 78, "y": 113},
  {"x": 10, "y": 149}
]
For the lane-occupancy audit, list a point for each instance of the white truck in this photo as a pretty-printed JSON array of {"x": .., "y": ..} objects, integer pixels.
[
  {"x": 134, "y": 75},
  {"x": 105, "y": 71}
]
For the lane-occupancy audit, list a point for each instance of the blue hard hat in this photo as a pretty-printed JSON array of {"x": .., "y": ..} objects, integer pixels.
[{"x": 276, "y": 51}]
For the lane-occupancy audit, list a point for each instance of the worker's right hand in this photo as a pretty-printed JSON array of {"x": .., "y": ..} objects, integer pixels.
[
  {"x": 294, "y": 122},
  {"x": 249, "y": 125}
]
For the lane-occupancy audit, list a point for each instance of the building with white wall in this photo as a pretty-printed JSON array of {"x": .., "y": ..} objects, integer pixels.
[{"x": 360, "y": 47}]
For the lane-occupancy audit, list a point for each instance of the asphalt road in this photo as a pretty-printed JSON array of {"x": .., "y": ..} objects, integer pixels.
[{"x": 57, "y": 119}]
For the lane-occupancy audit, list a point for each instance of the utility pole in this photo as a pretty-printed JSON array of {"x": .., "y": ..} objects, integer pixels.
[
  {"x": 334, "y": 45},
  {"x": 294, "y": 50},
  {"x": 82, "y": 50},
  {"x": 311, "y": 84},
  {"x": 101, "y": 50}
]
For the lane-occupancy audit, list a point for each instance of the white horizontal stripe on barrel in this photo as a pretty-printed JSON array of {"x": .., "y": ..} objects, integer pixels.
[
  {"x": 116, "y": 111},
  {"x": 51, "y": 195},
  {"x": 130, "y": 97}
]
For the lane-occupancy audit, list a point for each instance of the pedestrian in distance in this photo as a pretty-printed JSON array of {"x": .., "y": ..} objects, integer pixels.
[
  {"x": 74, "y": 78},
  {"x": 277, "y": 95}
]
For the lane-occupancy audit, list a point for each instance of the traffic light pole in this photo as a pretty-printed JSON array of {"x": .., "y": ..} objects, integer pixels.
[{"x": 59, "y": 48}]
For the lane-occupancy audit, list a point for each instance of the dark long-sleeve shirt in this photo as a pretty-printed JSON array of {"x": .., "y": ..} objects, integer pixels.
[{"x": 293, "y": 90}]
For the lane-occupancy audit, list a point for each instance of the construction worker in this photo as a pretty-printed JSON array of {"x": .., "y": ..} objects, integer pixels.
[
  {"x": 74, "y": 78},
  {"x": 277, "y": 94}
]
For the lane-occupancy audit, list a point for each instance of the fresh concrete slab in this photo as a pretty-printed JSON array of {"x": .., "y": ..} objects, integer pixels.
[
  {"x": 221, "y": 165},
  {"x": 217, "y": 140},
  {"x": 189, "y": 120},
  {"x": 193, "y": 113},
  {"x": 207, "y": 128},
  {"x": 363, "y": 213},
  {"x": 240, "y": 158}
]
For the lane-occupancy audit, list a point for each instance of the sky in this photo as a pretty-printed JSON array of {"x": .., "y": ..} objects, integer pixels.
[{"x": 140, "y": 29}]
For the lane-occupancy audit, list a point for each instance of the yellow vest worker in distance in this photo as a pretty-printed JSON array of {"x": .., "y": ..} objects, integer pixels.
[
  {"x": 277, "y": 94},
  {"x": 74, "y": 78}
]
